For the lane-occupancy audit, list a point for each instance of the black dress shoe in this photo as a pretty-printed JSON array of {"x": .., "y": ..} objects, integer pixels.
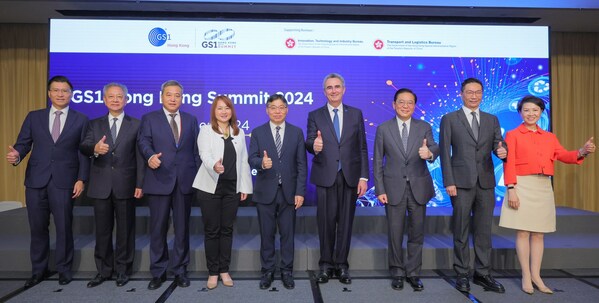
[
  {"x": 64, "y": 278},
  {"x": 97, "y": 280},
  {"x": 121, "y": 279},
  {"x": 266, "y": 280},
  {"x": 397, "y": 283},
  {"x": 344, "y": 276},
  {"x": 182, "y": 280},
  {"x": 488, "y": 283},
  {"x": 34, "y": 280},
  {"x": 415, "y": 283},
  {"x": 287, "y": 279},
  {"x": 156, "y": 282},
  {"x": 324, "y": 275},
  {"x": 462, "y": 284}
]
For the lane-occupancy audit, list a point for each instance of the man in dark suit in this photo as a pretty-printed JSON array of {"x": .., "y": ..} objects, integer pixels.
[
  {"x": 167, "y": 142},
  {"x": 403, "y": 183},
  {"x": 337, "y": 140},
  {"x": 116, "y": 177},
  {"x": 55, "y": 176},
  {"x": 278, "y": 154},
  {"x": 467, "y": 138}
]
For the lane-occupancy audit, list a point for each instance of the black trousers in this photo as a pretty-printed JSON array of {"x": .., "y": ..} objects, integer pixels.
[
  {"x": 41, "y": 202},
  {"x": 119, "y": 259},
  {"x": 335, "y": 216},
  {"x": 219, "y": 211},
  {"x": 277, "y": 213}
]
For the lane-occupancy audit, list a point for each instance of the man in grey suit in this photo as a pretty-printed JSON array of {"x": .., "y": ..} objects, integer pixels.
[
  {"x": 404, "y": 182},
  {"x": 467, "y": 138},
  {"x": 337, "y": 140},
  {"x": 278, "y": 154},
  {"x": 116, "y": 178}
]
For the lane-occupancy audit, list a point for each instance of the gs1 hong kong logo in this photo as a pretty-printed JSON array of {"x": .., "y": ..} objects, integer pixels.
[
  {"x": 222, "y": 35},
  {"x": 158, "y": 36}
]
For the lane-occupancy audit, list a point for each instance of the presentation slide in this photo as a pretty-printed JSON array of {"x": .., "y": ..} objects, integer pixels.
[{"x": 249, "y": 61}]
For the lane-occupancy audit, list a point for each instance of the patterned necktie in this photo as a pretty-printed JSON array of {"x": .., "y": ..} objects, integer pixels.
[
  {"x": 56, "y": 126},
  {"x": 113, "y": 129},
  {"x": 475, "y": 125},
  {"x": 174, "y": 128},
  {"x": 278, "y": 142},
  {"x": 404, "y": 136},
  {"x": 336, "y": 125}
]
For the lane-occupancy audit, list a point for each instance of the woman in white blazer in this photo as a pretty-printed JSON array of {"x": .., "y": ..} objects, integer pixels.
[{"x": 223, "y": 181}]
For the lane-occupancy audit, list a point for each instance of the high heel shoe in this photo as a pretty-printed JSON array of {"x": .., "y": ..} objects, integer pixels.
[
  {"x": 544, "y": 289},
  {"x": 212, "y": 282},
  {"x": 226, "y": 278},
  {"x": 529, "y": 291}
]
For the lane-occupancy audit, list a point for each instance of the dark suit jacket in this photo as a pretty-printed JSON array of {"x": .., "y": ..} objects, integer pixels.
[
  {"x": 292, "y": 165},
  {"x": 179, "y": 163},
  {"x": 351, "y": 151},
  {"x": 61, "y": 160},
  {"x": 120, "y": 170},
  {"x": 465, "y": 160},
  {"x": 399, "y": 165}
]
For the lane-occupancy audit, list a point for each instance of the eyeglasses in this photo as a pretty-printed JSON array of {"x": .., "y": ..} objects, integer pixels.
[
  {"x": 58, "y": 90},
  {"x": 274, "y": 108},
  {"x": 471, "y": 92},
  {"x": 405, "y": 103}
]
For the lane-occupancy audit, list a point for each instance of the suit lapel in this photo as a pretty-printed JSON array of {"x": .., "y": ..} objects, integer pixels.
[
  {"x": 412, "y": 136},
  {"x": 394, "y": 129},
  {"x": 327, "y": 118},
  {"x": 122, "y": 131},
  {"x": 346, "y": 118},
  {"x": 67, "y": 125},
  {"x": 464, "y": 120},
  {"x": 45, "y": 120},
  {"x": 167, "y": 127}
]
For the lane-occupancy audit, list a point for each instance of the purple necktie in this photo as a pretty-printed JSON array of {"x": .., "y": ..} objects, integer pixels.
[{"x": 56, "y": 126}]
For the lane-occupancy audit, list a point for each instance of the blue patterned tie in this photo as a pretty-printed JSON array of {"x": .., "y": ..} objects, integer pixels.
[
  {"x": 278, "y": 141},
  {"x": 336, "y": 124}
]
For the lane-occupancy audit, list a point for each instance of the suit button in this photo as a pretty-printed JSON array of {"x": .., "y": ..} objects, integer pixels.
[{"x": 112, "y": 167}]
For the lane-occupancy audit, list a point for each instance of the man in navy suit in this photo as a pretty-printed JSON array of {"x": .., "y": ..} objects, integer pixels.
[
  {"x": 278, "y": 154},
  {"x": 337, "y": 140},
  {"x": 167, "y": 142},
  {"x": 116, "y": 177},
  {"x": 55, "y": 176},
  {"x": 467, "y": 138},
  {"x": 402, "y": 147}
]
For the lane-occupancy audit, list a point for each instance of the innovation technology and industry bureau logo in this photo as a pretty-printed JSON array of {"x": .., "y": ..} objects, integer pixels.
[
  {"x": 158, "y": 36},
  {"x": 219, "y": 38}
]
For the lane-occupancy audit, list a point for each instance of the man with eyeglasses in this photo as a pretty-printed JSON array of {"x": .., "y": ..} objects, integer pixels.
[
  {"x": 337, "y": 139},
  {"x": 278, "y": 155},
  {"x": 404, "y": 183},
  {"x": 467, "y": 137},
  {"x": 55, "y": 176}
]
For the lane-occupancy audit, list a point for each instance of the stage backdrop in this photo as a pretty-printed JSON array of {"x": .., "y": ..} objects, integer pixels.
[{"x": 248, "y": 61}]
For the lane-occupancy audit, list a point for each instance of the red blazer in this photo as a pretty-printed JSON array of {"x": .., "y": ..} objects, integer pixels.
[{"x": 532, "y": 153}]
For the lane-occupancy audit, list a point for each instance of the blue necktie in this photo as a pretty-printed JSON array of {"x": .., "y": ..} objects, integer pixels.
[{"x": 336, "y": 124}]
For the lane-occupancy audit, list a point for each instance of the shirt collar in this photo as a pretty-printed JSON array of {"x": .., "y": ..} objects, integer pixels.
[
  {"x": 523, "y": 129},
  {"x": 273, "y": 127},
  {"x": 330, "y": 107},
  {"x": 167, "y": 113},
  {"x": 467, "y": 111},
  {"x": 121, "y": 116},
  {"x": 53, "y": 110}
]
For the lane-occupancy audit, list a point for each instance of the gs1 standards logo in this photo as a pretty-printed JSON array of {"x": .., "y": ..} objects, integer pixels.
[
  {"x": 219, "y": 38},
  {"x": 158, "y": 36}
]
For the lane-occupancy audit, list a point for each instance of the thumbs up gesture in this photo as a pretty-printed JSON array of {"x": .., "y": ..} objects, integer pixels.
[
  {"x": 424, "y": 152},
  {"x": 12, "y": 156},
  {"x": 101, "y": 147},
  {"x": 318, "y": 145},
  {"x": 218, "y": 167},
  {"x": 266, "y": 161},
  {"x": 501, "y": 151},
  {"x": 587, "y": 148},
  {"x": 155, "y": 161}
]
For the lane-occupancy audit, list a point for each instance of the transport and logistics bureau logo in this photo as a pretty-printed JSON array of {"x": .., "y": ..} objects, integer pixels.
[
  {"x": 219, "y": 38},
  {"x": 158, "y": 36}
]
